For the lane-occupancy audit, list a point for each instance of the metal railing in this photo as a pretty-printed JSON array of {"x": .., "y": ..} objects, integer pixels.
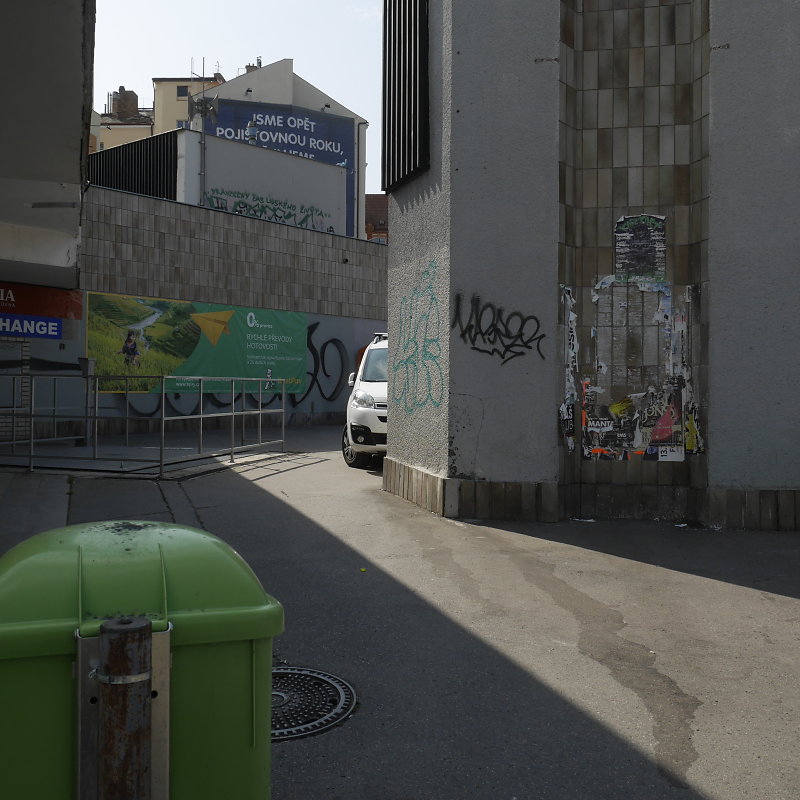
[{"x": 44, "y": 412}]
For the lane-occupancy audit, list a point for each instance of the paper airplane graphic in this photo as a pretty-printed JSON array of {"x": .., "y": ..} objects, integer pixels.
[{"x": 214, "y": 324}]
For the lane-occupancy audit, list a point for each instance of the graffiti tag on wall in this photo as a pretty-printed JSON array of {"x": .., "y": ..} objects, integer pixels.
[
  {"x": 268, "y": 208},
  {"x": 417, "y": 377},
  {"x": 492, "y": 330}
]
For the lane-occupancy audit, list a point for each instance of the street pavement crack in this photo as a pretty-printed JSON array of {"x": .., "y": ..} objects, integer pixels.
[
  {"x": 631, "y": 664},
  {"x": 179, "y": 504}
]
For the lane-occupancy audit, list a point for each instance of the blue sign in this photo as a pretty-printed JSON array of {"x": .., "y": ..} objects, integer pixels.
[
  {"x": 30, "y": 327},
  {"x": 298, "y": 131}
]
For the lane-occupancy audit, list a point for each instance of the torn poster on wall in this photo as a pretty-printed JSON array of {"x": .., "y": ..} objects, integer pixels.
[
  {"x": 647, "y": 423},
  {"x": 640, "y": 399},
  {"x": 640, "y": 248},
  {"x": 566, "y": 412}
]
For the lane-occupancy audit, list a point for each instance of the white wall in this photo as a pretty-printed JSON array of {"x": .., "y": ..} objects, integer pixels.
[
  {"x": 481, "y": 223},
  {"x": 41, "y": 164},
  {"x": 419, "y": 214},
  {"x": 277, "y": 84},
  {"x": 504, "y": 253},
  {"x": 263, "y": 183},
  {"x": 754, "y": 383}
]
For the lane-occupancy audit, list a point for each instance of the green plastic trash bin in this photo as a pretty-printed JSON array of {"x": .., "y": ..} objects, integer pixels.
[{"x": 212, "y": 625}]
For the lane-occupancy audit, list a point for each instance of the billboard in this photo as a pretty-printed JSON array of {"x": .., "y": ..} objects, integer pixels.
[
  {"x": 133, "y": 337},
  {"x": 37, "y": 312},
  {"x": 314, "y": 135}
]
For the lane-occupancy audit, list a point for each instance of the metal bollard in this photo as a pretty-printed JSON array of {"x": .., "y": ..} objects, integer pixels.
[{"x": 125, "y": 679}]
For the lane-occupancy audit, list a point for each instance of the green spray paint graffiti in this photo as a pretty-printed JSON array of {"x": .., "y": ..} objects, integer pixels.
[
  {"x": 268, "y": 208},
  {"x": 417, "y": 374}
]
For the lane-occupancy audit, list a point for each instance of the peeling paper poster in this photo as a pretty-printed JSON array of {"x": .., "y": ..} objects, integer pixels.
[
  {"x": 649, "y": 424},
  {"x": 640, "y": 248},
  {"x": 566, "y": 411}
]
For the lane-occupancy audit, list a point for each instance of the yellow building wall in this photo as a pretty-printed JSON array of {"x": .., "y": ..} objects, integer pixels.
[
  {"x": 169, "y": 108},
  {"x": 115, "y": 135}
]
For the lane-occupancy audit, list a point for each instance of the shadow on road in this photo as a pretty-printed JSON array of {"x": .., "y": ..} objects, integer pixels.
[
  {"x": 442, "y": 715},
  {"x": 765, "y": 561}
]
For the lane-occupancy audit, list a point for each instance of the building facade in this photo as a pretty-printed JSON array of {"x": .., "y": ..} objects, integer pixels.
[
  {"x": 577, "y": 292},
  {"x": 171, "y": 99},
  {"x": 190, "y": 167},
  {"x": 278, "y": 110}
]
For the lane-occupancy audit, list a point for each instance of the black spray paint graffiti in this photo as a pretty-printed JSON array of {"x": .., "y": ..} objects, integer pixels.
[
  {"x": 328, "y": 369},
  {"x": 271, "y": 210},
  {"x": 491, "y": 330}
]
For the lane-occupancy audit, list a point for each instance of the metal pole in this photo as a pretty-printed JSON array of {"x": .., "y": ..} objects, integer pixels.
[
  {"x": 55, "y": 406},
  {"x": 233, "y": 418},
  {"x": 14, "y": 411},
  {"x": 200, "y": 437},
  {"x": 283, "y": 416},
  {"x": 124, "y": 694},
  {"x": 127, "y": 411},
  {"x": 96, "y": 412},
  {"x": 86, "y": 410},
  {"x": 260, "y": 409},
  {"x": 161, "y": 438},
  {"x": 32, "y": 380},
  {"x": 243, "y": 410}
]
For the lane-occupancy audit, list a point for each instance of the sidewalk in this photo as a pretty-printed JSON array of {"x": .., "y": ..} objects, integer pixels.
[{"x": 490, "y": 661}]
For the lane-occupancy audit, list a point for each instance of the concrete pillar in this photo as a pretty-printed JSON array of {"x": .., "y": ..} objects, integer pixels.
[
  {"x": 473, "y": 273},
  {"x": 753, "y": 282}
]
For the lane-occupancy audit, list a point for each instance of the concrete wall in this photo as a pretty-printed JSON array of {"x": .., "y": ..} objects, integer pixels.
[
  {"x": 419, "y": 285},
  {"x": 504, "y": 255},
  {"x": 754, "y": 281},
  {"x": 262, "y": 183},
  {"x": 473, "y": 269},
  {"x": 42, "y": 167},
  {"x": 150, "y": 247},
  {"x": 147, "y": 247}
]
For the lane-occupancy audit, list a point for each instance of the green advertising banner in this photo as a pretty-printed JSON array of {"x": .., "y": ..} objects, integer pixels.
[{"x": 139, "y": 336}]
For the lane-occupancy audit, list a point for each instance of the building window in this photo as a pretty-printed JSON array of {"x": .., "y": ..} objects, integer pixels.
[
  {"x": 183, "y": 91},
  {"x": 406, "y": 127}
]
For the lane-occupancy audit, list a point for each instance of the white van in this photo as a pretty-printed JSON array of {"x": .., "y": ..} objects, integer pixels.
[{"x": 364, "y": 435}]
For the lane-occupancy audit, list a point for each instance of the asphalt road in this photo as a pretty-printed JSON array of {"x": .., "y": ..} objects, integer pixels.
[{"x": 492, "y": 662}]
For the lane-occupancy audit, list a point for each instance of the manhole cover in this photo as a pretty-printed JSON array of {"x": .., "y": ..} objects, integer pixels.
[{"x": 306, "y": 701}]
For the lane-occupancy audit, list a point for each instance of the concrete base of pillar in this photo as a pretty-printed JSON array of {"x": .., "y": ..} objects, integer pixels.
[{"x": 457, "y": 498}]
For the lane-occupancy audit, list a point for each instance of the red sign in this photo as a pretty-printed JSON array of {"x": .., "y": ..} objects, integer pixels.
[{"x": 40, "y": 301}]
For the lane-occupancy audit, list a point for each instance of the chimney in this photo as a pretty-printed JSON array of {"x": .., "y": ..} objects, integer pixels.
[
  {"x": 125, "y": 104},
  {"x": 250, "y": 67}
]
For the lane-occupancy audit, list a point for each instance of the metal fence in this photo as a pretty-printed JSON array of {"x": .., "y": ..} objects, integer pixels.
[{"x": 49, "y": 419}]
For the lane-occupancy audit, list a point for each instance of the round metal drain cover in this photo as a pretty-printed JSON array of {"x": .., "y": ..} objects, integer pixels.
[{"x": 306, "y": 701}]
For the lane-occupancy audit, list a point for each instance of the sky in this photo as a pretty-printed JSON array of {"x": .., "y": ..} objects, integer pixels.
[{"x": 335, "y": 44}]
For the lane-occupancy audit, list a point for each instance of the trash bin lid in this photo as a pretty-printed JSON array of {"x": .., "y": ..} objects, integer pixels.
[{"x": 74, "y": 578}]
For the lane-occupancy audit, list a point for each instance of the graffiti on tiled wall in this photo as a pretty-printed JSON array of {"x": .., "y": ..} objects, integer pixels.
[
  {"x": 491, "y": 329},
  {"x": 417, "y": 375},
  {"x": 638, "y": 398},
  {"x": 249, "y": 204}
]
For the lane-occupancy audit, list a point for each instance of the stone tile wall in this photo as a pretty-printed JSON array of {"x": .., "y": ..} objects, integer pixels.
[
  {"x": 634, "y": 140},
  {"x": 156, "y": 248}
]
